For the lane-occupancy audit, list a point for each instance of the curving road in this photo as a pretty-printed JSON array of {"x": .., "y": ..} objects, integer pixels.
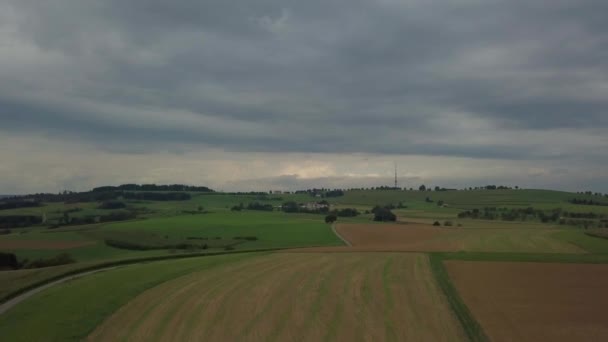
[{"x": 4, "y": 307}]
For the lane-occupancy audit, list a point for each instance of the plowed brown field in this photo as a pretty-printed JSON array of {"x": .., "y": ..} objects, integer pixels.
[
  {"x": 293, "y": 297},
  {"x": 535, "y": 301},
  {"x": 419, "y": 237}
]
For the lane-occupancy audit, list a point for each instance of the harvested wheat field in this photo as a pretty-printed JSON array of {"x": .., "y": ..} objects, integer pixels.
[
  {"x": 293, "y": 297},
  {"x": 535, "y": 301},
  {"x": 43, "y": 244},
  {"x": 418, "y": 237}
]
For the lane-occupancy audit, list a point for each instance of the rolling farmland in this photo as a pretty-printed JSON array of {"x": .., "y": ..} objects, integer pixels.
[{"x": 402, "y": 280}]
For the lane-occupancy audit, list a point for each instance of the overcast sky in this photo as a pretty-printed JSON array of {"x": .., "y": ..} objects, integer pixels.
[{"x": 260, "y": 95}]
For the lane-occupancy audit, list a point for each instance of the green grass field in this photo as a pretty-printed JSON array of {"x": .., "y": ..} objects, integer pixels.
[{"x": 74, "y": 309}]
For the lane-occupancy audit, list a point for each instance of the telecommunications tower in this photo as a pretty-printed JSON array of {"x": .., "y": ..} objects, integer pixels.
[{"x": 395, "y": 175}]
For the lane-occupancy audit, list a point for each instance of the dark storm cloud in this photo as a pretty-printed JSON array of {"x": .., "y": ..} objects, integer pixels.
[{"x": 394, "y": 77}]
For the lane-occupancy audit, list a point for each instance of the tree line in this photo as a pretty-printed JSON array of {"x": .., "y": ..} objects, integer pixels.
[
  {"x": 9, "y": 261},
  {"x": 153, "y": 187},
  {"x": 587, "y": 202},
  {"x": 557, "y": 215}
]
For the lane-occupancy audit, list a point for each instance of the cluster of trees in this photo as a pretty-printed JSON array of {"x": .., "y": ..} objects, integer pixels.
[
  {"x": 587, "y": 202},
  {"x": 246, "y": 193},
  {"x": 345, "y": 212},
  {"x": 322, "y": 192},
  {"x": 331, "y": 218},
  {"x": 140, "y": 246},
  {"x": 153, "y": 187},
  {"x": 591, "y": 193},
  {"x": 67, "y": 220},
  {"x": 19, "y": 221},
  {"x": 333, "y": 193},
  {"x": 260, "y": 206},
  {"x": 516, "y": 214},
  {"x": 253, "y": 206},
  {"x": 513, "y": 214},
  {"x": 486, "y": 187},
  {"x": 69, "y": 197},
  {"x": 399, "y": 205},
  {"x": 15, "y": 204},
  {"x": 10, "y": 261},
  {"x": 157, "y": 196},
  {"x": 383, "y": 214},
  {"x": 108, "y": 205},
  {"x": 105, "y": 193}
]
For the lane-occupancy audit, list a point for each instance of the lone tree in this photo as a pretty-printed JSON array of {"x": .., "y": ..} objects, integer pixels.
[
  {"x": 383, "y": 214},
  {"x": 422, "y": 188},
  {"x": 331, "y": 218}
]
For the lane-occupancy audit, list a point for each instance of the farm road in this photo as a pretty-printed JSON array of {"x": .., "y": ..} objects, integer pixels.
[{"x": 4, "y": 307}]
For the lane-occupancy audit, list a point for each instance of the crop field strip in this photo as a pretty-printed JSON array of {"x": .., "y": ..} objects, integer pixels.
[
  {"x": 294, "y": 296},
  {"x": 427, "y": 238},
  {"x": 531, "y": 301}
]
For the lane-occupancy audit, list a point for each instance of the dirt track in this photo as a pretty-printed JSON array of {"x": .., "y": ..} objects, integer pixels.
[
  {"x": 293, "y": 297},
  {"x": 42, "y": 244},
  {"x": 535, "y": 301}
]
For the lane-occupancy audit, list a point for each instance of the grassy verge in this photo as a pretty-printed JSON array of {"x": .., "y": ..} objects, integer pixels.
[
  {"x": 96, "y": 266},
  {"x": 469, "y": 324},
  {"x": 472, "y": 328},
  {"x": 75, "y": 308}
]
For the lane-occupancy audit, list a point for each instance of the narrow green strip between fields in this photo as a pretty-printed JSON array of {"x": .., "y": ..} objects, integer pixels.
[{"x": 471, "y": 327}]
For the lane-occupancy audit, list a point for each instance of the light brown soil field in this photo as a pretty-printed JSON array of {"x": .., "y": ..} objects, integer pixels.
[
  {"x": 417, "y": 237},
  {"x": 535, "y": 301},
  {"x": 294, "y": 297},
  {"x": 43, "y": 244}
]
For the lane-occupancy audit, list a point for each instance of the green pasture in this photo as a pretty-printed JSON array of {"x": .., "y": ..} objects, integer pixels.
[
  {"x": 273, "y": 229},
  {"x": 74, "y": 309}
]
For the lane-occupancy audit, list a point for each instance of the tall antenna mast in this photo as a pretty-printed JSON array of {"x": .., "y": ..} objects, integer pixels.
[{"x": 395, "y": 175}]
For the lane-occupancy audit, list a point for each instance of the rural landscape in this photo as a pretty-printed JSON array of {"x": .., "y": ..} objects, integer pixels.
[
  {"x": 287, "y": 170},
  {"x": 150, "y": 262}
]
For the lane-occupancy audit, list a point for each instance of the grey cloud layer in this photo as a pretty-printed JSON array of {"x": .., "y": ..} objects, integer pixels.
[{"x": 482, "y": 79}]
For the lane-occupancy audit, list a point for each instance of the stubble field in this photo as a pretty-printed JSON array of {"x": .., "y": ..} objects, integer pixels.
[{"x": 295, "y": 297}]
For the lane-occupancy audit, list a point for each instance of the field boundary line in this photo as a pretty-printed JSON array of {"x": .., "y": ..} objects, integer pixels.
[
  {"x": 471, "y": 327},
  {"x": 26, "y": 291},
  {"x": 346, "y": 242}
]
